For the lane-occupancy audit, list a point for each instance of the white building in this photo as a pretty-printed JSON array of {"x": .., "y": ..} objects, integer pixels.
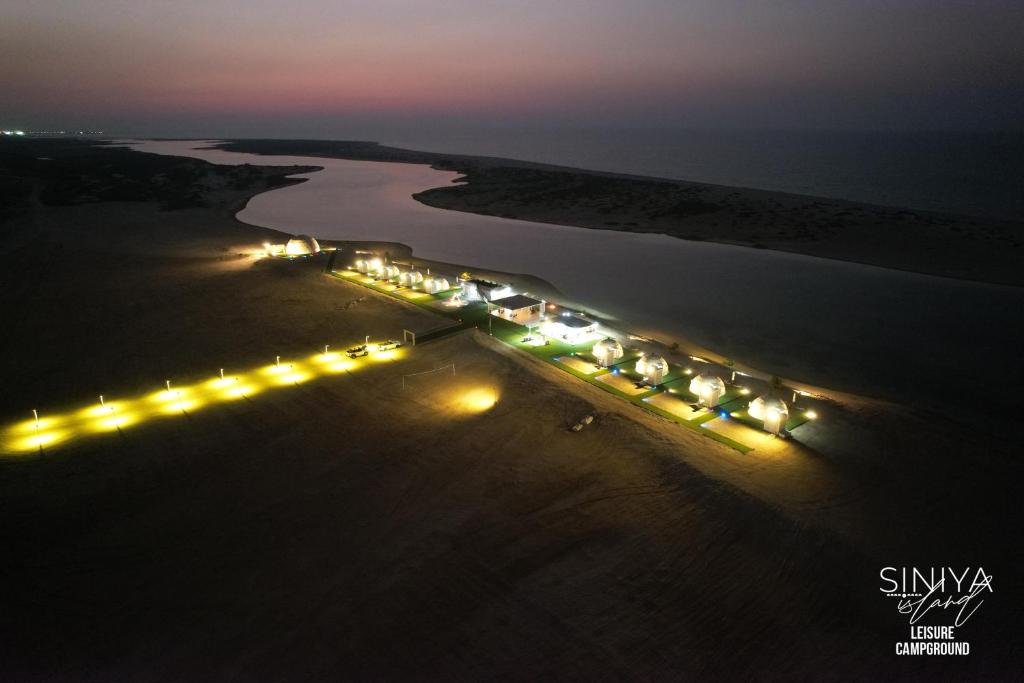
[
  {"x": 772, "y": 411},
  {"x": 301, "y": 245},
  {"x": 652, "y": 368},
  {"x": 518, "y": 308},
  {"x": 474, "y": 289},
  {"x": 607, "y": 351},
  {"x": 570, "y": 328},
  {"x": 708, "y": 389}
]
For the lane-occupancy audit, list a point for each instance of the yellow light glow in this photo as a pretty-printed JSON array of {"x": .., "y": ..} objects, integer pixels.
[
  {"x": 744, "y": 391},
  {"x": 811, "y": 415},
  {"x": 165, "y": 396},
  {"x": 340, "y": 366},
  {"x": 113, "y": 422},
  {"x": 108, "y": 417},
  {"x": 222, "y": 382},
  {"x": 42, "y": 439},
  {"x": 31, "y": 426},
  {"x": 478, "y": 400},
  {"x": 181, "y": 405},
  {"x": 293, "y": 377},
  {"x": 238, "y": 391},
  {"x": 101, "y": 410}
]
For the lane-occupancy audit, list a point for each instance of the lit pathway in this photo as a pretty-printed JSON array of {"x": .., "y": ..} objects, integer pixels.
[{"x": 37, "y": 433}]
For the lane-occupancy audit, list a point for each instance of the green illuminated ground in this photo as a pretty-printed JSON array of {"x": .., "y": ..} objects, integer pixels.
[{"x": 732, "y": 406}]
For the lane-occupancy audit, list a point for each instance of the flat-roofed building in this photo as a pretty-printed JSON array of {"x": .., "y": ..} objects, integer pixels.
[
  {"x": 518, "y": 308},
  {"x": 571, "y": 328}
]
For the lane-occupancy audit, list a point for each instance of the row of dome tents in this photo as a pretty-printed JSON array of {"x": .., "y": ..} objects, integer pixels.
[
  {"x": 708, "y": 388},
  {"x": 414, "y": 279}
]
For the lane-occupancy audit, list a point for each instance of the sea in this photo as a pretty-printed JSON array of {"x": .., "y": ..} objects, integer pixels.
[{"x": 976, "y": 174}]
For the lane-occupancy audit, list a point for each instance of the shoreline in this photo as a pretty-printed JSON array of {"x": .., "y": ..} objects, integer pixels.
[
  {"x": 807, "y": 376},
  {"x": 957, "y": 247}
]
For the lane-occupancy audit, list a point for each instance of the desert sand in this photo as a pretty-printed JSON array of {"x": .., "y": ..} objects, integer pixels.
[{"x": 349, "y": 528}]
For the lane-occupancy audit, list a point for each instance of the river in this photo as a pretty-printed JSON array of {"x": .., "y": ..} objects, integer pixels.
[{"x": 845, "y": 326}]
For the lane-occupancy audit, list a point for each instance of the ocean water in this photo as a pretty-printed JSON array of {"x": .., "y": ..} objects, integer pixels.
[{"x": 978, "y": 174}]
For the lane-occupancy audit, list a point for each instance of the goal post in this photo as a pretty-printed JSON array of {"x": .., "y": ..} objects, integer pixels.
[
  {"x": 409, "y": 335},
  {"x": 428, "y": 372}
]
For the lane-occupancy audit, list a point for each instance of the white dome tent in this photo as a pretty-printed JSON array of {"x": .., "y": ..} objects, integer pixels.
[
  {"x": 374, "y": 266},
  {"x": 607, "y": 351},
  {"x": 771, "y": 410},
  {"x": 652, "y": 368},
  {"x": 433, "y": 284},
  {"x": 391, "y": 272},
  {"x": 362, "y": 266},
  {"x": 708, "y": 389},
  {"x": 302, "y": 245},
  {"x": 415, "y": 278}
]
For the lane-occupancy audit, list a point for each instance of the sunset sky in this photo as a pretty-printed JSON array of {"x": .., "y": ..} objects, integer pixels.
[{"x": 321, "y": 67}]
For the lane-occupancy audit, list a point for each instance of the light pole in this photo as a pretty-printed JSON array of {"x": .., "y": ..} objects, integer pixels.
[{"x": 39, "y": 441}]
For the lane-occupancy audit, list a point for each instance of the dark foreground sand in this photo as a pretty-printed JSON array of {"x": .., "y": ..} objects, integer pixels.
[{"x": 349, "y": 529}]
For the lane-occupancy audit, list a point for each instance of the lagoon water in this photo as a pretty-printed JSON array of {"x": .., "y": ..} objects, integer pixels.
[{"x": 840, "y": 325}]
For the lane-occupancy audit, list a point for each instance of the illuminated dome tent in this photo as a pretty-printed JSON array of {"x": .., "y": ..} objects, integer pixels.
[
  {"x": 391, "y": 272},
  {"x": 300, "y": 245},
  {"x": 652, "y": 368},
  {"x": 410, "y": 278},
  {"x": 433, "y": 284},
  {"x": 770, "y": 410},
  {"x": 374, "y": 266},
  {"x": 607, "y": 351},
  {"x": 361, "y": 265},
  {"x": 708, "y": 389}
]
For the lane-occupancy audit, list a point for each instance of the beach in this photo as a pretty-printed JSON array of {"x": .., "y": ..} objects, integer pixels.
[{"x": 349, "y": 527}]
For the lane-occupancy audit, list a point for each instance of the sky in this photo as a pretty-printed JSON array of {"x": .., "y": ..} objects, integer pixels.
[{"x": 320, "y": 68}]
